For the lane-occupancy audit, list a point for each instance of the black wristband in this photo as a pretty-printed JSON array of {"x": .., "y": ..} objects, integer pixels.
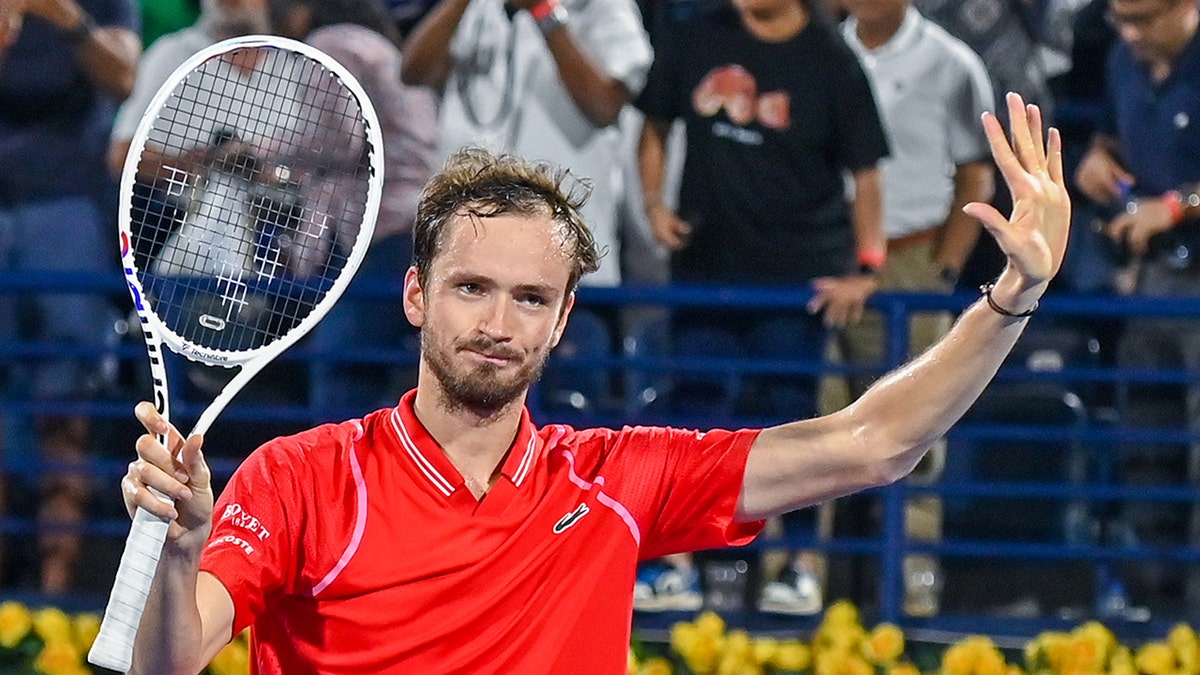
[
  {"x": 986, "y": 289},
  {"x": 81, "y": 31},
  {"x": 868, "y": 270}
]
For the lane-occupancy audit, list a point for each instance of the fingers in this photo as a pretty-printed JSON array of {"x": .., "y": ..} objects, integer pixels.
[
  {"x": 1055, "y": 159},
  {"x": 156, "y": 424},
  {"x": 1002, "y": 152},
  {"x": 1034, "y": 114},
  {"x": 1022, "y": 139},
  {"x": 993, "y": 221}
]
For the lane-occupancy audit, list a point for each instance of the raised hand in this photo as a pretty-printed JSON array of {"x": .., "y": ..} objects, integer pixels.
[
  {"x": 1034, "y": 236},
  {"x": 180, "y": 473}
]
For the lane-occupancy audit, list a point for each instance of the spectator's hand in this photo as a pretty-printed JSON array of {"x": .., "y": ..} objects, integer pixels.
[
  {"x": 12, "y": 18},
  {"x": 1101, "y": 178},
  {"x": 842, "y": 298},
  {"x": 669, "y": 229},
  {"x": 1034, "y": 236},
  {"x": 1136, "y": 226},
  {"x": 180, "y": 473}
]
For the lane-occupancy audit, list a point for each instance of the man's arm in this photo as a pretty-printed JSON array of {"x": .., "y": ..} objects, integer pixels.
[
  {"x": 189, "y": 614},
  {"x": 1100, "y": 175},
  {"x": 668, "y": 228},
  {"x": 973, "y": 182},
  {"x": 881, "y": 436},
  {"x": 597, "y": 94},
  {"x": 108, "y": 54},
  {"x": 842, "y": 299},
  {"x": 427, "y": 59}
]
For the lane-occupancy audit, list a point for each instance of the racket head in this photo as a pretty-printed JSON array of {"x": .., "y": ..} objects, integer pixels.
[{"x": 264, "y": 191}]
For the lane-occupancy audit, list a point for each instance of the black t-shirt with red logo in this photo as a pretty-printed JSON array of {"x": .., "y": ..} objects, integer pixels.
[{"x": 772, "y": 130}]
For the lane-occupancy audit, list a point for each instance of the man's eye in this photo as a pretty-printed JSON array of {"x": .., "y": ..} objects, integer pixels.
[
  {"x": 536, "y": 300},
  {"x": 470, "y": 287}
]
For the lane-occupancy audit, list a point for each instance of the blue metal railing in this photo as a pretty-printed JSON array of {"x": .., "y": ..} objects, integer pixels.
[{"x": 1097, "y": 437}]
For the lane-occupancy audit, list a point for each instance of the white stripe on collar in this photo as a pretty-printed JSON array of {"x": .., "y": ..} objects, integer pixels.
[{"x": 431, "y": 473}]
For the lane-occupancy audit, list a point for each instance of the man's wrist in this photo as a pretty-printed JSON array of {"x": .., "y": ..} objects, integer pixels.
[
  {"x": 549, "y": 15},
  {"x": 81, "y": 31}
]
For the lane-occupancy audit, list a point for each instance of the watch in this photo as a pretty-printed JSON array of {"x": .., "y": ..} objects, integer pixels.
[{"x": 549, "y": 15}]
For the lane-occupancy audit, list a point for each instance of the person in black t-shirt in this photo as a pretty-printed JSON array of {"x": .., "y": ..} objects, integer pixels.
[{"x": 777, "y": 111}]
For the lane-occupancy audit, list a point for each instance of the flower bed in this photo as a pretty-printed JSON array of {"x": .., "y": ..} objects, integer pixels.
[{"x": 49, "y": 641}]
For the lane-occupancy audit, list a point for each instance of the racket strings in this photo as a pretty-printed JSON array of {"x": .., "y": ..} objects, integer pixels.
[{"x": 253, "y": 188}]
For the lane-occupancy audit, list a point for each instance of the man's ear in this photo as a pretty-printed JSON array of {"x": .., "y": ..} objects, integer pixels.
[
  {"x": 568, "y": 304},
  {"x": 414, "y": 298}
]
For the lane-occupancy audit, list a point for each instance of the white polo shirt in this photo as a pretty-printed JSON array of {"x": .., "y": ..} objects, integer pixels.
[
  {"x": 504, "y": 92},
  {"x": 931, "y": 90}
]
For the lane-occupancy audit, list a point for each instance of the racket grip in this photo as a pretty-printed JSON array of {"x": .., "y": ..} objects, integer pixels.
[{"x": 113, "y": 648}]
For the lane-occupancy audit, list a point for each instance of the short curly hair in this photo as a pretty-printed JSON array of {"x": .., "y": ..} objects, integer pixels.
[{"x": 479, "y": 183}]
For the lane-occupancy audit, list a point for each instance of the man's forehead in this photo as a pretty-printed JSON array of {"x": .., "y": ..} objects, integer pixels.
[{"x": 535, "y": 242}]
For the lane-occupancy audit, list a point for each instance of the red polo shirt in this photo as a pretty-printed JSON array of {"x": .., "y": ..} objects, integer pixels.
[{"x": 357, "y": 548}]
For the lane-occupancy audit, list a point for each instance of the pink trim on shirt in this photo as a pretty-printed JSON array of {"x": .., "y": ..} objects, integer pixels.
[
  {"x": 360, "y": 523},
  {"x": 616, "y": 506}
]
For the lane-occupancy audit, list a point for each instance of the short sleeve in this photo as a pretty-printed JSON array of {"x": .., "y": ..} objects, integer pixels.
[
  {"x": 613, "y": 33},
  {"x": 971, "y": 97},
  {"x": 682, "y": 487},
  {"x": 256, "y": 523},
  {"x": 862, "y": 140},
  {"x": 154, "y": 67},
  {"x": 658, "y": 99}
]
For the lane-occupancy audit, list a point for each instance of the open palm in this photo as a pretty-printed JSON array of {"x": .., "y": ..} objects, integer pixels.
[{"x": 1034, "y": 236}]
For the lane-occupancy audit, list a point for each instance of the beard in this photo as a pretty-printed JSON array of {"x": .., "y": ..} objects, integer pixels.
[{"x": 480, "y": 388}]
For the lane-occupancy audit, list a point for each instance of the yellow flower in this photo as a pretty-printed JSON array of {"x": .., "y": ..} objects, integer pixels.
[
  {"x": 733, "y": 663},
  {"x": 684, "y": 636},
  {"x": 15, "y": 623},
  {"x": 1187, "y": 648},
  {"x": 1121, "y": 662},
  {"x": 792, "y": 656},
  {"x": 841, "y": 613},
  {"x": 958, "y": 659},
  {"x": 739, "y": 644},
  {"x": 52, "y": 624},
  {"x": 764, "y": 650},
  {"x": 904, "y": 669},
  {"x": 85, "y": 628},
  {"x": 631, "y": 663},
  {"x": 1056, "y": 648},
  {"x": 655, "y": 666},
  {"x": 884, "y": 645},
  {"x": 711, "y": 623},
  {"x": 58, "y": 657},
  {"x": 233, "y": 659},
  {"x": 1155, "y": 658}
]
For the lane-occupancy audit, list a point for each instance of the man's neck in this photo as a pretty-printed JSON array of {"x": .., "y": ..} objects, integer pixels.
[
  {"x": 776, "y": 25},
  {"x": 476, "y": 444},
  {"x": 876, "y": 32},
  {"x": 1160, "y": 67}
]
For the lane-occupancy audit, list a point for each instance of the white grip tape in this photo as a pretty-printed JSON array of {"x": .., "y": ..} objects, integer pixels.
[{"x": 113, "y": 648}]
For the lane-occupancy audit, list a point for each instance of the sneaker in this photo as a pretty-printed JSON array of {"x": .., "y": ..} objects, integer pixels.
[
  {"x": 797, "y": 592},
  {"x": 922, "y": 586},
  {"x": 663, "y": 588}
]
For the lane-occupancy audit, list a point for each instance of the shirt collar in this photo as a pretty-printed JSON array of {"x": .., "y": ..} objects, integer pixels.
[
  {"x": 906, "y": 36},
  {"x": 431, "y": 460}
]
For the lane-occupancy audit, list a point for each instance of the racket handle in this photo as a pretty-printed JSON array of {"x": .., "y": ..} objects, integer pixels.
[{"x": 113, "y": 648}]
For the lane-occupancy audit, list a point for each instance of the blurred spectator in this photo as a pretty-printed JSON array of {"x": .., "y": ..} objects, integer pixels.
[
  {"x": 776, "y": 109},
  {"x": 219, "y": 20},
  {"x": 64, "y": 64},
  {"x": 931, "y": 90},
  {"x": 1144, "y": 163},
  {"x": 160, "y": 17},
  {"x": 544, "y": 79},
  {"x": 1023, "y": 44},
  {"x": 360, "y": 35}
]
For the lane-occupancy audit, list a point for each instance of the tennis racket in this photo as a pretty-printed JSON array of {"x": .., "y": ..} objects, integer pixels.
[{"x": 264, "y": 164}]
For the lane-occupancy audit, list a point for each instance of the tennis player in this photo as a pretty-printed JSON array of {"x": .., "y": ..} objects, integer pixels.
[{"x": 450, "y": 535}]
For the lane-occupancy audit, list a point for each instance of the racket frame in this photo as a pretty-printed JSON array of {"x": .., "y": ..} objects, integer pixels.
[{"x": 113, "y": 647}]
